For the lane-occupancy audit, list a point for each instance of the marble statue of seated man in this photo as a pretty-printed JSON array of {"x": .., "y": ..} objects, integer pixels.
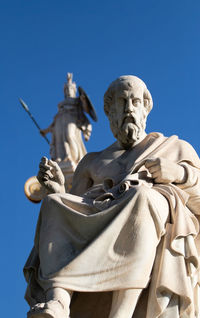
[{"x": 128, "y": 228}]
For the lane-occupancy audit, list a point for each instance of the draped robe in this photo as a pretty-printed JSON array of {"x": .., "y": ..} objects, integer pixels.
[
  {"x": 126, "y": 232},
  {"x": 67, "y": 141}
]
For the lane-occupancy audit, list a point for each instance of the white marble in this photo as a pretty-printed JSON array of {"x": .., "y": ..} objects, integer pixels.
[{"x": 130, "y": 225}]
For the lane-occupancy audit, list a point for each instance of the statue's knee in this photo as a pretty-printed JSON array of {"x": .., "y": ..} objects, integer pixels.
[
  {"x": 144, "y": 192},
  {"x": 148, "y": 197}
]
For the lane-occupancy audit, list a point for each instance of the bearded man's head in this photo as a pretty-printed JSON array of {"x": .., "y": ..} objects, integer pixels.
[{"x": 127, "y": 103}]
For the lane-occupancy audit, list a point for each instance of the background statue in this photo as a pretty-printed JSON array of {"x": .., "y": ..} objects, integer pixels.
[
  {"x": 66, "y": 143},
  {"x": 67, "y": 147},
  {"x": 125, "y": 242}
]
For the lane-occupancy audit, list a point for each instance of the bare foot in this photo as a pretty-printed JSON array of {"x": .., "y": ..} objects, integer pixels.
[{"x": 50, "y": 309}]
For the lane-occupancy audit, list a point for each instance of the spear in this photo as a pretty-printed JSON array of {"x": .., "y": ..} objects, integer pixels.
[{"x": 33, "y": 119}]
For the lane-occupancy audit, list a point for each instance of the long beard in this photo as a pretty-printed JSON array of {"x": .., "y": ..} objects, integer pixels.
[{"x": 129, "y": 131}]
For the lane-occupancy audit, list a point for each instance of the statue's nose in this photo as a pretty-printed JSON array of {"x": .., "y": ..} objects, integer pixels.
[{"x": 129, "y": 106}]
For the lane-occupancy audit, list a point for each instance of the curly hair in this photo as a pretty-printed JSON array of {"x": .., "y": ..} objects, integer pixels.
[{"x": 126, "y": 81}]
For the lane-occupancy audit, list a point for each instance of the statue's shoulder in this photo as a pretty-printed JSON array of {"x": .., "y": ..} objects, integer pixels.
[
  {"x": 183, "y": 144},
  {"x": 86, "y": 162},
  {"x": 90, "y": 156},
  {"x": 185, "y": 151},
  {"x": 175, "y": 147},
  {"x": 180, "y": 143},
  {"x": 113, "y": 147},
  {"x": 103, "y": 152},
  {"x": 93, "y": 160}
]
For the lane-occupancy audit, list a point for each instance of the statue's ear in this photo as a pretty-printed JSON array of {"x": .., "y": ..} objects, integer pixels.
[{"x": 146, "y": 104}]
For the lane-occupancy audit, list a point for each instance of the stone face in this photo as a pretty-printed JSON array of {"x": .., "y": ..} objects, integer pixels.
[{"x": 125, "y": 241}]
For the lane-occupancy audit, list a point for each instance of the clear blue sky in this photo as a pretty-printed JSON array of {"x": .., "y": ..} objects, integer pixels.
[{"x": 42, "y": 40}]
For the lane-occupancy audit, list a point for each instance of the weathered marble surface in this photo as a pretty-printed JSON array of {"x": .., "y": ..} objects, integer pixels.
[{"x": 129, "y": 229}]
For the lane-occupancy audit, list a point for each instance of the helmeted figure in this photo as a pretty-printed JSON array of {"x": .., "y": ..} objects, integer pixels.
[{"x": 67, "y": 144}]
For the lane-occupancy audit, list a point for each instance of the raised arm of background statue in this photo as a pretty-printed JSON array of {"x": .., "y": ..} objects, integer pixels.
[
  {"x": 43, "y": 132},
  {"x": 51, "y": 176}
]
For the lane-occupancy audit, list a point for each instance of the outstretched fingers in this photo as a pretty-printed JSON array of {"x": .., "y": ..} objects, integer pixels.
[
  {"x": 44, "y": 173},
  {"x": 57, "y": 172},
  {"x": 51, "y": 176}
]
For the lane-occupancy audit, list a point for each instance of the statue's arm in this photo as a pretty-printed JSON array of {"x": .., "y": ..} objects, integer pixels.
[
  {"x": 191, "y": 165},
  {"x": 185, "y": 174},
  {"x": 182, "y": 174},
  {"x": 165, "y": 171},
  {"x": 45, "y": 131},
  {"x": 83, "y": 178},
  {"x": 192, "y": 180},
  {"x": 192, "y": 186}
]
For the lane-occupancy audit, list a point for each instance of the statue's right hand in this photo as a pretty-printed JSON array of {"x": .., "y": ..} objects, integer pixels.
[
  {"x": 42, "y": 132},
  {"x": 51, "y": 176}
]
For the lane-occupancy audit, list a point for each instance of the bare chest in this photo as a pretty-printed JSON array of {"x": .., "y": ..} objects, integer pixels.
[{"x": 112, "y": 167}]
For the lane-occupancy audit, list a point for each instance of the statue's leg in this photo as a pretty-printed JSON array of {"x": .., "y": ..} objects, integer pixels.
[
  {"x": 124, "y": 303},
  {"x": 145, "y": 228},
  {"x": 61, "y": 295},
  {"x": 73, "y": 142},
  {"x": 56, "y": 305}
]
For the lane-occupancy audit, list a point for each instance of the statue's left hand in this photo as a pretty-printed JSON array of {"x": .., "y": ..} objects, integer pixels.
[
  {"x": 51, "y": 176},
  {"x": 165, "y": 171},
  {"x": 42, "y": 132}
]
